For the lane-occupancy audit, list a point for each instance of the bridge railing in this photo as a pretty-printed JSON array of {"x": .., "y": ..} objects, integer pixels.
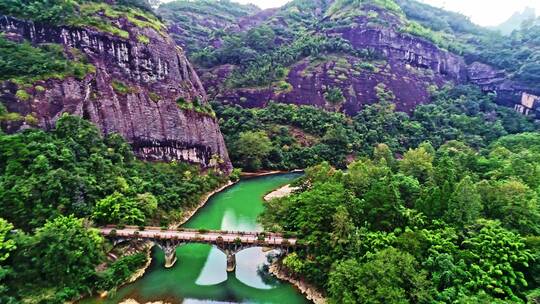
[
  {"x": 198, "y": 237},
  {"x": 203, "y": 231}
]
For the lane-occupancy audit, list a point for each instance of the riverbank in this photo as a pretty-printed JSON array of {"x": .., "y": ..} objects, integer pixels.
[
  {"x": 148, "y": 245},
  {"x": 266, "y": 173},
  {"x": 179, "y": 283},
  {"x": 131, "y": 301},
  {"x": 140, "y": 272},
  {"x": 307, "y": 290},
  {"x": 276, "y": 267},
  {"x": 280, "y": 192}
]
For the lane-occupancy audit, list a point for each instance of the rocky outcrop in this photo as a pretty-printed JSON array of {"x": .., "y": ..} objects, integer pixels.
[
  {"x": 154, "y": 75},
  {"x": 408, "y": 66},
  {"x": 507, "y": 91}
]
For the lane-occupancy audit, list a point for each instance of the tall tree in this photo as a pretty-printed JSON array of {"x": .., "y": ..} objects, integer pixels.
[
  {"x": 465, "y": 204},
  {"x": 251, "y": 148},
  {"x": 66, "y": 253},
  {"x": 418, "y": 163}
]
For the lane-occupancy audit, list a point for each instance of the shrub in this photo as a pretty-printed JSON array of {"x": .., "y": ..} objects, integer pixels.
[
  {"x": 334, "y": 95},
  {"x": 31, "y": 120},
  {"x": 143, "y": 39},
  {"x": 366, "y": 66},
  {"x": 22, "y": 95},
  {"x": 154, "y": 97},
  {"x": 122, "y": 88},
  {"x": 235, "y": 175},
  {"x": 237, "y": 241}
]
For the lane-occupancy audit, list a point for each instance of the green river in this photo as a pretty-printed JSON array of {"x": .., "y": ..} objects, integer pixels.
[{"x": 199, "y": 275}]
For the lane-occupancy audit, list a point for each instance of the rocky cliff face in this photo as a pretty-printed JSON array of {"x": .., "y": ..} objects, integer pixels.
[
  {"x": 508, "y": 92},
  {"x": 407, "y": 65},
  {"x": 133, "y": 92}
]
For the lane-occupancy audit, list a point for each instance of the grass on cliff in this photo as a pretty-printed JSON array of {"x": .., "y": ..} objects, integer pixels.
[
  {"x": 83, "y": 13},
  {"x": 102, "y": 16},
  {"x": 122, "y": 88},
  {"x": 196, "y": 106},
  {"x": 25, "y": 64}
]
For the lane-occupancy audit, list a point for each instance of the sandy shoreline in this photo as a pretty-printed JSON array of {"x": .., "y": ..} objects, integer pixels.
[
  {"x": 132, "y": 301},
  {"x": 265, "y": 173},
  {"x": 280, "y": 192}
]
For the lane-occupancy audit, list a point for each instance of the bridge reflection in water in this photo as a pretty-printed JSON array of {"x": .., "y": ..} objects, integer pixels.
[{"x": 229, "y": 242}]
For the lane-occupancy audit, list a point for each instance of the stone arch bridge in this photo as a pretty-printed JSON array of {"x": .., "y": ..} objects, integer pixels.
[{"x": 229, "y": 242}]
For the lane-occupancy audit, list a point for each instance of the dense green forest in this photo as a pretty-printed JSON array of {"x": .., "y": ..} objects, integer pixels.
[
  {"x": 73, "y": 170},
  {"x": 290, "y": 137},
  {"x": 440, "y": 205},
  {"x": 447, "y": 225}
]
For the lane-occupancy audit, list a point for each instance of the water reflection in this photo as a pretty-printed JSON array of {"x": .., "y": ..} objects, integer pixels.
[{"x": 214, "y": 270}]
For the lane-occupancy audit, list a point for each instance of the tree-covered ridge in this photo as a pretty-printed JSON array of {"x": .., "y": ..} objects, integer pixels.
[
  {"x": 447, "y": 225},
  {"x": 73, "y": 170},
  {"x": 198, "y": 23},
  {"x": 517, "y": 53},
  {"x": 302, "y": 136},
  {"x": 99, "y": 15},
  {"x": 297, "y": 22},
  {"x": 51, "y": 181}
]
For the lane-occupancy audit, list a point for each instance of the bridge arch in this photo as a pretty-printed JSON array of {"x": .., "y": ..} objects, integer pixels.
[{"x": 228, "y": 242}]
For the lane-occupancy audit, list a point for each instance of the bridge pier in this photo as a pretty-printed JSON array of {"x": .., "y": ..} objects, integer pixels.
[
  {"x": 170, "y": 256},
  {"x": 169, "y": 249},
  {"x": 229, "y": 242},
  {"x": 231, "y": 262}
]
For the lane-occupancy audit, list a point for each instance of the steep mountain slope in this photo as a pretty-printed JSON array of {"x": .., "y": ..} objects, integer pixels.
[
  {"x": 338, "y": 54},
  {"x": 200, "y": 23},
  {"x": 136, "y": 82}
]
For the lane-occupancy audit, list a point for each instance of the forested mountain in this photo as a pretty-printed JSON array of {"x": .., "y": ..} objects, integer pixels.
[
  {"x": 112, "y": 63},
  {"x": 308, "y": 51},
  {"x": 417, "y": 129}
]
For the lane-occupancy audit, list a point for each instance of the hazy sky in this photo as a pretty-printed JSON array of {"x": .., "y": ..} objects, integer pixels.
[{"x": 483, "y": 12}]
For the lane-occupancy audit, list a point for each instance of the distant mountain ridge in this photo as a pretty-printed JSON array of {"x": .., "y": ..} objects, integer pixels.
[{"x": 516, "y": 20}]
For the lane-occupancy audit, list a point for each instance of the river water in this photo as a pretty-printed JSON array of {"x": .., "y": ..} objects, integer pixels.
[{"x": 199, "y": 275}]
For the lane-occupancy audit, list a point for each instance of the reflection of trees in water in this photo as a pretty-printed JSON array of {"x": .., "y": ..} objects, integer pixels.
[{"x": 263, "y": 270}]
